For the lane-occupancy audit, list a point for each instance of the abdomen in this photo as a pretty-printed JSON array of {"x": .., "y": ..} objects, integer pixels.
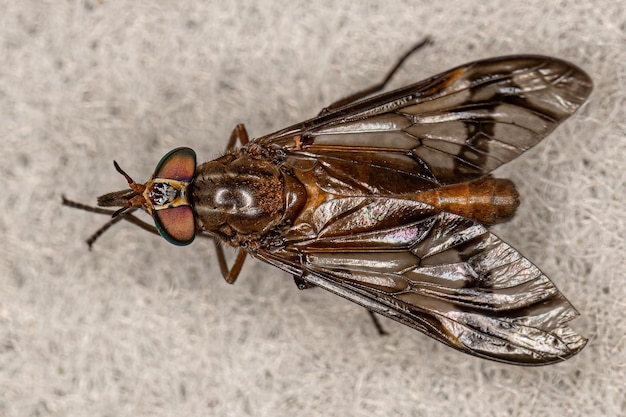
[{"x": 487, "y": 200}]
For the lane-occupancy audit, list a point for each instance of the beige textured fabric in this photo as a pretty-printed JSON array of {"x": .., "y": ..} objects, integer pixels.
[{"x": 138, "y": 327}]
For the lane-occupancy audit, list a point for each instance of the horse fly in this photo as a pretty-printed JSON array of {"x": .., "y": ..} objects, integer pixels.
[{"x": 386, "y": 200}]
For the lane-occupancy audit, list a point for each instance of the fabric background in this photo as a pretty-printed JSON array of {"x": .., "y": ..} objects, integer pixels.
[{"x": 138, "y": 327}]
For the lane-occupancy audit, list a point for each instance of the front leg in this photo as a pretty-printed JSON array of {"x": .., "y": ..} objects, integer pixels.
[
  {"x": 239, "y": 132},
  {"x": 230, "y": 274}
]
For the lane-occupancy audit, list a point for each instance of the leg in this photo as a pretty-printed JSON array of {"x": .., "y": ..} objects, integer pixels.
[
  {"x": 128, "y": 216},
  {"x": 239, "y": 132},
  {"x": 377, "y": 87},
  {"x": 230, "y": 275},
  {"x": 301, "y": 283},
  {"x": 123, "y": 216},
  {"x": 377, "y": 324},
  {"x": 305, "y": 285}
]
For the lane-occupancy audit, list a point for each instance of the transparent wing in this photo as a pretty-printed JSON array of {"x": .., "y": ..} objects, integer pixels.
[
  {"x": 451, "y": 128},
  {"x": 439, "y": 273}
]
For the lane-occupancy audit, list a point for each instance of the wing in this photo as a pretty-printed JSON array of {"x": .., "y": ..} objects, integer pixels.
[
  {"x": 439, "y": 273},
  {"x": 451, "y": 128}
]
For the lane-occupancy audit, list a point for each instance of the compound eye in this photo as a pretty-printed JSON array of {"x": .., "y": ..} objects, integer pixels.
[
  {"x": 177, "y": 224},
  {"x": 178, "y": 164}
]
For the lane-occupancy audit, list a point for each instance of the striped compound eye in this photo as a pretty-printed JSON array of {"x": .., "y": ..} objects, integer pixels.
[{"x": 172, "y": 211}]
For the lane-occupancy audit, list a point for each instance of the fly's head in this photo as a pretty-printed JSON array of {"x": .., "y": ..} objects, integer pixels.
[{"x": 165, "y": 196}]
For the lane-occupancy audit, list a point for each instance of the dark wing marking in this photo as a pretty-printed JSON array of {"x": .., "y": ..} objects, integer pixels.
[
  {"x": 451, "y": 128},
  {"x": 439, "y": 273}
]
